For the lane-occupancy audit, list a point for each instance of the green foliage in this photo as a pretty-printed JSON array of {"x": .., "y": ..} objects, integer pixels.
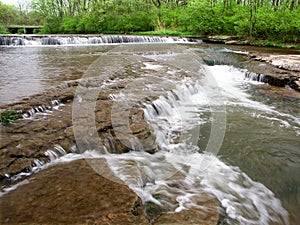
[
  {"x": 7, "y": 14},
  {"x": 21, "y": 31},
  {"x": 90, "y": 24},
  {"x": 69, "y": 25},
  {"x": 3, "y": 29},
  {"x": 241, "y": 22},
  {"x": 51, "y": 26},
  {"x": 165, "y": 33},
  {"x": 10, "y": 15},
  {"x": 9, "y": 116},
  {"x": 253, "y": 19},
  {"x": 36, "y": 31}
]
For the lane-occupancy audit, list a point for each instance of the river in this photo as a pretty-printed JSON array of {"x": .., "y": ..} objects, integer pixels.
[{"x": 254, "y": 174}]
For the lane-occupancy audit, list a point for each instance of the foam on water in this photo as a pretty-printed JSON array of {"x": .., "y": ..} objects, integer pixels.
[
  {"x": 151, "y": 66},
  {"x": 244, "y": 200},
  {"x": 234, "y": 51},
  {"x": 233, "y": 84},
  {"x": 181, "y": 173},
  {"x": 85, "y": 40}
]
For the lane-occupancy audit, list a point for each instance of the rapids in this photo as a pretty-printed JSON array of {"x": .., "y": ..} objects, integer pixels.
[{"x": 218, "y": 134}]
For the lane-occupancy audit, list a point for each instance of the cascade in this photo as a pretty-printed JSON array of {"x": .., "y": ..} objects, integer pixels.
[
  {"x": 256, "y": 77},
  {"x": 55, "y": 104},
  {"x": 86, "y": 40},
  {"x": 173, "y": 118},
  {"x": 150, "y": 176},
  {"x": 176, "y": 118}
]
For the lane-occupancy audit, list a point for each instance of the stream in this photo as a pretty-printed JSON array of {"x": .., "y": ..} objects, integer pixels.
[{"x": 236, "y": 139}]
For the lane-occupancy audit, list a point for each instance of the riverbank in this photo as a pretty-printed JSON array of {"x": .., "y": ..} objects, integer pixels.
[
  {"x": 283, "y": 72},
  {"x": 277, "y": 66},
  {"x": 234, "y": 40}
]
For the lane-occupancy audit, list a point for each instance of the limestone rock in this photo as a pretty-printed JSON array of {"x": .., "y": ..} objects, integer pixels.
[
  {"x": 219, "y": 39},
  {"x": 188, "y": 217},
  {"x": 279, "y": 70},
  {"x": 72, "y": 193}
]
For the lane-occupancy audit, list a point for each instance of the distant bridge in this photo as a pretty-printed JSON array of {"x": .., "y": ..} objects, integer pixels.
[{"x": 27, "y": 29}]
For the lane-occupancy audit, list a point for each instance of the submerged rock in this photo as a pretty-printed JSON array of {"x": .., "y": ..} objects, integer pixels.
[
  {"x": 188, "y": 217},
  {"x": 72, "y": 194}
]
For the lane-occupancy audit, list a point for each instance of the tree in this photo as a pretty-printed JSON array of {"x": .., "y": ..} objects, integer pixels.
[{"x": 7, "y": 14}]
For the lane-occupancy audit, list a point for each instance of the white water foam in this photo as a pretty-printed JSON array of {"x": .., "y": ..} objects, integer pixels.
[
  {"x": 235, "y": 51},
  {"x": 244, "y": 200},
  {"x": 85, "y": 40},
  {"x": 233, "y": 84}
]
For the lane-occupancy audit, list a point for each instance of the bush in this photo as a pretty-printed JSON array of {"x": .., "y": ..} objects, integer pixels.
[
  {"x": 51, "y": 26},
  {"x": 21, "y": 31},
  {"x": 36, "y": 31},
  {"x": 69, "y": 25},
  {"x": 3, "y": 30},
  {"x": 9, "y": 116}
]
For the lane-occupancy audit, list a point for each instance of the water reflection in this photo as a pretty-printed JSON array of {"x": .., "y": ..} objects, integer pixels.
[{"x": 25, "y": 71}]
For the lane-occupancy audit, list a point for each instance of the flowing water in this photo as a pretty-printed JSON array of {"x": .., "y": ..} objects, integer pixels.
[{"x": 254, "y": 174}]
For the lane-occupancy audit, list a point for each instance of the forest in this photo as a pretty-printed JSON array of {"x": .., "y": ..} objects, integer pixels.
[{"x": 274, "y": 20}]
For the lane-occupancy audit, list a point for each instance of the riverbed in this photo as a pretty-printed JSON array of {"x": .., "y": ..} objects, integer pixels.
[{"x": 239, "y": 138}]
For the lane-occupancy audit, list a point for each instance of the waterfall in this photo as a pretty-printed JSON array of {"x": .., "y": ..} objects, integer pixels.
[
  {"x": 86, "y": 40},
  {"x": 256, "y": 77},
  {"x": 55, "y": 104},
  {"x": 174, "y": 118},
  {"x": 174, "y": 114}
]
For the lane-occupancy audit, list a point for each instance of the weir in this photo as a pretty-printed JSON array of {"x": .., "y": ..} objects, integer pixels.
[
  {"x": 33, "y": 40},
  {"x": 256, "y": 77}
]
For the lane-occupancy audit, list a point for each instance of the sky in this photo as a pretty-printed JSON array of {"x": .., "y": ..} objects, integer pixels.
[{"x": 14, "y": 2}]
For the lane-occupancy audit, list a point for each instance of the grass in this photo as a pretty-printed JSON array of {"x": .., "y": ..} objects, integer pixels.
[
  {"x": 9, "y": 116},
  {"x": 269, "y": 43},
  {"x": 4, "y": 32}
]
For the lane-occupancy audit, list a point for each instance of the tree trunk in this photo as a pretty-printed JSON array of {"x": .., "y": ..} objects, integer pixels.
[
  {"x": 251, "y": 24},
  {"x": 292, "y": 5}
]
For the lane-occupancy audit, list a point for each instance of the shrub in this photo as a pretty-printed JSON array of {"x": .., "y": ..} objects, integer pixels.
[
  {"x": 21, "y": 31},
  {"x": 9, "y": 116}
]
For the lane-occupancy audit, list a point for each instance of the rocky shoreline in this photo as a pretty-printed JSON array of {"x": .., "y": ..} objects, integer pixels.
[
  {"x": 284, "y": 70},
  {"x": 276, "y": 68}
]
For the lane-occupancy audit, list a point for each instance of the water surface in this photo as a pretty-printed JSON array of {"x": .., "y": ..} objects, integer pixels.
[{"x": 256, "y": 173}]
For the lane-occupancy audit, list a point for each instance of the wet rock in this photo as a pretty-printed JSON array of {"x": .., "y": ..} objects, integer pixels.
[
  {"x": 287, "y": 62},
  {"x": 295, "y": 84},
  {"x": 219, "y": 39},
  {"x": 237, "y": 42},
  {"x": 93, "y": 119},
  {"x": 75, "y": 193},
  {"x": 72, "y": 194},
  {"x": 279, "y": 70},
  {"x": 188, "y": 217}
]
